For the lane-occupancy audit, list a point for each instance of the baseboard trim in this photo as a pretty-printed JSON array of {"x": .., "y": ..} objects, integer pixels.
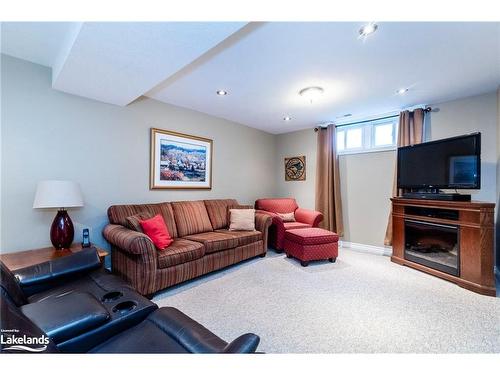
[{"x": 378, "y": 250}]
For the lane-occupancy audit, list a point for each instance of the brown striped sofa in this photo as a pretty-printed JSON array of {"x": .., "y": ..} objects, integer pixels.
[{"x": 202, "y": 242}]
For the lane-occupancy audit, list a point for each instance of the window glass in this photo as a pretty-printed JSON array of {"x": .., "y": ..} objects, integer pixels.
[
  {"x": 354, "y": 138},
  {"x": 384, "y": 134},
  {"x": 340, "y": 140}
]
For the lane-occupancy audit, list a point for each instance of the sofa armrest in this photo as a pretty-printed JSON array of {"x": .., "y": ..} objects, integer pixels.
[
  {"x": 194, "y": 337},
  {"x": 272, "y": 214},
  {"x": 246, "y": 343},
  {"x": 262, "y": 221},
  {"x": 310, "y": 217},
  {"x": 67, "y": 316},
  {"x": 275, "y": 219},
  {"x": 128, "y": 240},
  {"x": 39, "y": 277}
]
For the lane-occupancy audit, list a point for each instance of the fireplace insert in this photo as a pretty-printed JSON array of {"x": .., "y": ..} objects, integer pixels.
[{"x": 433, "y": 245}]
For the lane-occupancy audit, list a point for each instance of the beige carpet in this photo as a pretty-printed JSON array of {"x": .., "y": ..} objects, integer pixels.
[{"x": 361, "y": 304}]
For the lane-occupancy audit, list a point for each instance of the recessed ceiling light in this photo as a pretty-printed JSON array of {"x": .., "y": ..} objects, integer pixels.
[
  {"x": 312, "y": 93},
  {"x": 368, "y": 29},
  {"x": 402, "y": 91},
  {"x": 287, "y": 118},
  {"x": 221, "y": 92}
]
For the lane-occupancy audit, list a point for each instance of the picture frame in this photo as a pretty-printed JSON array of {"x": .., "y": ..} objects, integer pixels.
[
  {"x": 180, "y": 161},
  {"x": 295, "y": 168}
]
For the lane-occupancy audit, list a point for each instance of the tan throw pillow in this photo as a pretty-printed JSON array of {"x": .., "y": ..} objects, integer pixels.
[
  {"x": 287, "y": 218},
  {"x": 242, "y": 219},
  {"x": 133, "y": 222},
  {"x": 238, "y": 206}
]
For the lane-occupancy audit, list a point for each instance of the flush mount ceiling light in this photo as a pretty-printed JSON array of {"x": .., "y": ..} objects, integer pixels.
[
  {"x": 311, "y": 93},
  {"x": 368, "y": 29},
  {"x": 287, "y": 118},
  {"x": 402, "y": 91},
  {"x": 221, "y": 92}
]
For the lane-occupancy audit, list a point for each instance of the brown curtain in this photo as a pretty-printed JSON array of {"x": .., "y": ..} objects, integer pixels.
[
  {"x": 328, "y": 181},
  {"x": 410, "y": 132}
]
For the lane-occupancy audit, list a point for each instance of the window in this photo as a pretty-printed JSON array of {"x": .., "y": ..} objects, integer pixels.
[
  {"x": 340, "y": 140},
  {"x": 367, "y": 136},
  {"x": 384, "y": 134},
  {"x": 354, "y": 138}
]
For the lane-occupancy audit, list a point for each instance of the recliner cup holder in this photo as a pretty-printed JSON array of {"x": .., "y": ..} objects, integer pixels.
[
  {"x": 124, "y": 307},
  {"x": 111, "y": 296}
]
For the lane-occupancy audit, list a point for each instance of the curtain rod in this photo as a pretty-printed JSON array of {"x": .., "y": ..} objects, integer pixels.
[{"x": 426, "y": 110}]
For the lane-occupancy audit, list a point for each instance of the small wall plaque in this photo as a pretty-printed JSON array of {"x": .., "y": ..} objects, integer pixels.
[{"x": 295, "y": 168}]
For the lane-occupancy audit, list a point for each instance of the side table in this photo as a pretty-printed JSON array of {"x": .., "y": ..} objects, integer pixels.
[{"x": 21, "y": 259}]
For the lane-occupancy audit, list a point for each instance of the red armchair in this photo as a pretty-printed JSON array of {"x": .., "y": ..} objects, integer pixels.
[{"x": 303, "y": 218}]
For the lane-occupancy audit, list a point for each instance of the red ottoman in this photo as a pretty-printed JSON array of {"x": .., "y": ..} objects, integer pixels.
[{"x": 311, "y": 244}]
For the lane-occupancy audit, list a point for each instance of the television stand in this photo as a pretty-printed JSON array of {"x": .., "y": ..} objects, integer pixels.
[
  {"x": 452, "y": 240},
  {"x": 438, "y": 196}
]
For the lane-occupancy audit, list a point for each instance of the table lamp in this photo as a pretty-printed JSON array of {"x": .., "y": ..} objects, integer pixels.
[{"x": 61, "y": 195}]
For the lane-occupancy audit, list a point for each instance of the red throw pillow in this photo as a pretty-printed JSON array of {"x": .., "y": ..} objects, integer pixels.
[{"x": 156, "y": 229}]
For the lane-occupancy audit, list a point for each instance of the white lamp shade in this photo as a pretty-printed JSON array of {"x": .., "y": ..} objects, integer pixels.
[{"x": 58, "y": 194}]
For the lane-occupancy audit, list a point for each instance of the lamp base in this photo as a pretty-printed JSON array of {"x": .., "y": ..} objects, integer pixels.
[{"x": 62, "y": 231}]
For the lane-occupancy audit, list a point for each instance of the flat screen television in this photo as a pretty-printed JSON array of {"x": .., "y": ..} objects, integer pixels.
[{"x": 451, "y": 163}]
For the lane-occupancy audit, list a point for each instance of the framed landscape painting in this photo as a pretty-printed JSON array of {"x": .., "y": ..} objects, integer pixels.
[{"x": 180, "y": 161}]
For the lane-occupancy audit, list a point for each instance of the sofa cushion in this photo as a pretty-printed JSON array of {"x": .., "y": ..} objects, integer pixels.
[
  {"x": 278, "y": 205},
  {"x": 191, "y": 217},
  {"x": 295, "y": 225},
  {"x": 118, "y": 214},
  {"x": 214, "y": 241},
  {"x": 217, "y": 211},
  {"x": 243, "y": 237},
  {"x": 180, "y": 251},
  {"x": 134, "y": 221}
]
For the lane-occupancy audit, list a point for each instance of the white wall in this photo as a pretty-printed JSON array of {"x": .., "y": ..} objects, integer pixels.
[
  {"x": 366, "y": 179},
  {"x": 366, "y": 186},
  {"x": 48, "y": 134}
]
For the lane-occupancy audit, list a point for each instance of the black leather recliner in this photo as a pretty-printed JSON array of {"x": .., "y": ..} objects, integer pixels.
[
  {"x": 76, "y": 302},
  {"x": 83, "y": 308}
]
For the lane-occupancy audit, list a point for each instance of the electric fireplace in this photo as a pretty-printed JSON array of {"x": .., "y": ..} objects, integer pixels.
[{"x": 433, "y": 245}]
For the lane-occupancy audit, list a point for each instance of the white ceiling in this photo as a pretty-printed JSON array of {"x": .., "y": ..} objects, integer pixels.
[
  {"x": 118, "y": 62},
  {"x": 263, "y": 66},
  {"x": 38, "y": 42},
  {"x": 113, "y": 62}
]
